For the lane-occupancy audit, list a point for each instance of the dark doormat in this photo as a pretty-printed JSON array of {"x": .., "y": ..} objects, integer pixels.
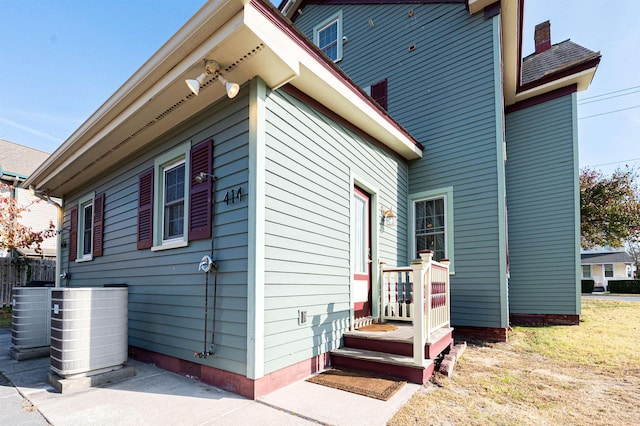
[{"x": 362, "y": 383}]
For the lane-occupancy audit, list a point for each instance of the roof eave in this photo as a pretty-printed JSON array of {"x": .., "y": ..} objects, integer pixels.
[
  {"x": 579, "y": 74},
  {"x": 155, "y": 99}
]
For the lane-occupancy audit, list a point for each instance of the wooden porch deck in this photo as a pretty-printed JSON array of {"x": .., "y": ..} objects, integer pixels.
[{"x": 391, "y": 352}]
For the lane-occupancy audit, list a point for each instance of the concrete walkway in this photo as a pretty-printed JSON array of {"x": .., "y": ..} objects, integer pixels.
[{"x": 158, "y": 397}]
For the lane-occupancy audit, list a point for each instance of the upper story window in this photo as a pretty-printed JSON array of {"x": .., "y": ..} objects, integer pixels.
[
  {"x": 586, "y": 271},
  {"x": 328, "y": 37}
]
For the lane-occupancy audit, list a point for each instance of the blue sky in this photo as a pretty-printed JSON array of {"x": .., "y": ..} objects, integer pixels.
[{"x": 60, "y": 60}]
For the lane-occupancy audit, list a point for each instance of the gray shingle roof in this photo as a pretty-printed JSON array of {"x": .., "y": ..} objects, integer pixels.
[
  {"x": 614, "y": 257},
  {"x": 20, "y": 159},
  {"x": 557, "y": 58}
]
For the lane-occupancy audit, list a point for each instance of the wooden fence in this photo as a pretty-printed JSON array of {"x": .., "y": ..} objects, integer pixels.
[{"x": 16, "y": 272}]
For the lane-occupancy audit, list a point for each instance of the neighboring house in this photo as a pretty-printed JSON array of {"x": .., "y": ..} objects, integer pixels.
[
  {"x": 17, "y": 162},
  {"x": 315, "y": 181},
  {"x": 606, "y": 266}
]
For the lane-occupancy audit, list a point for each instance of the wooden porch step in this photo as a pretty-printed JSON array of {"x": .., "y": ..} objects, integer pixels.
[
  {"x": 394, "y": 365},
  {"x": 398, "y": 342}
]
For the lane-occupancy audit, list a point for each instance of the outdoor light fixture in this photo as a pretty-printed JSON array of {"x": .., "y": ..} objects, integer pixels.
[
  {"x": 389, "y": 217},
  {"x": 212, "y": 67},
  {"x": 202, "y": 176}
]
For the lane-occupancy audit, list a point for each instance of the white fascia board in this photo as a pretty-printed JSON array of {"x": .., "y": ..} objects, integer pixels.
[
  {"x": 323, "y": 83},
  {"x": 476, "y": 6},
  {"x": 98, "y": 137},
  {"x": 510, "y": 40},
  {"x": 582, "y": 79}
]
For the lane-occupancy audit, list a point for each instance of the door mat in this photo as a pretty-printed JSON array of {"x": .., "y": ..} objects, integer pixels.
[
  {"x": 378, "y": 327},
  {"x": 359, "y": 382}
]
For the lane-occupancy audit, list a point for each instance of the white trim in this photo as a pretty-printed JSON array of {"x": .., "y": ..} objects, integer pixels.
[
  {"x": 170, "y": 245},
  {"x": 373, "y": 191},
  {"x": 256, "y": 229},
  {"x": 170, "y": 158},
  {"x": 80, "y": 256},
  {"x": 447, "y": 194}
]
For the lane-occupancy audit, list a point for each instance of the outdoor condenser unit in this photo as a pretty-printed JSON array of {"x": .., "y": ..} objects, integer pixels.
[
  {"x": 30, "y": 322},
  {"x": 88, "y": 330}
]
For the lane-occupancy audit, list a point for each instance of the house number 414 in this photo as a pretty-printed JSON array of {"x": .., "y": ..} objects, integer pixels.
[{"x": 233, "y": 196}]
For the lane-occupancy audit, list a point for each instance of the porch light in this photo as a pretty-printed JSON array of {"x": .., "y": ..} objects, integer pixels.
[
  {"x": 389, "y": 217},
  {"x": 212, "y": 67}
]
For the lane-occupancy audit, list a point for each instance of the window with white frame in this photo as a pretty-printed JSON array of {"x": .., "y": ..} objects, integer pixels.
[
  {"x": 173, "y": 201},
  {"x": 328, "y": 37},
  {"x": 174, "y": 205},
  {"x": 86, "y": 228},
  {"x": 586, "y": 271},
  {"x": 86, "y": 220},
  {"x": 171, "y": 189},
  {"x": 608, "y": 270},
  {"x": 432, "y": 225}
]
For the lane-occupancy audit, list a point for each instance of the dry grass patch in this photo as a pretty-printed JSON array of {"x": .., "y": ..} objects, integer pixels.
[{"x": 571, "y": 375}]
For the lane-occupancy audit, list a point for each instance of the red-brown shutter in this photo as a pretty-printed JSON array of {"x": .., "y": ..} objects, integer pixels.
[
  {"x": 145, "y": 209},
  {"x": 379, "y": 93},
  {"x": 200, "y": 193},
  {"x": 73, "y": 233},
  {"x": 98, "y": 219}
]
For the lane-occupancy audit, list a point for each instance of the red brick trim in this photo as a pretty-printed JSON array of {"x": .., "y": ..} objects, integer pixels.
[
  {"x": 234, "y": 382},
  {"x": 480, "y": 333},
  {"x": 544, "y": 319}
]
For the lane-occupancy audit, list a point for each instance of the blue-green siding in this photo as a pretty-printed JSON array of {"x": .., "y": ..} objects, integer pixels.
[
  {"x": 166, "y": 291},
  {"x": 310, "y": 160},
  {"x": 445, "y": 93},
  {"x": 543, "y": 208}
]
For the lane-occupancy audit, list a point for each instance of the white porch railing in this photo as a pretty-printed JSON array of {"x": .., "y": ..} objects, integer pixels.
[{"x": 425, "y": 280}]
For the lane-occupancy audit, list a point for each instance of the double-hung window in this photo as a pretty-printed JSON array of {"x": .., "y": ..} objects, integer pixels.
[
  {"x": 328, "y": 37},
  {"x": 432, "y": 224},
  {"x": 85, "y": 228},
  {"x": 586, "y": 271},
  {"x": 430, "y": 227},
  {"x": 174, "y": 204},
  {"x": 608, "y": 270},
  {"x": 174, "y": 201},
  {"x": 172, "y": 198}
]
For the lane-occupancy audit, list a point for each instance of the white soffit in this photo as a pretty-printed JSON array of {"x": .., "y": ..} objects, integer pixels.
[
  {"x": 247, "y": 42},
  {"x": 582, "y": 80}
]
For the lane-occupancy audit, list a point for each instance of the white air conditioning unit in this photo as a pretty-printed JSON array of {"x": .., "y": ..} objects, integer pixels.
[
  {"x": 88, "y": 330},
  {"x": 30, "y": 322}
]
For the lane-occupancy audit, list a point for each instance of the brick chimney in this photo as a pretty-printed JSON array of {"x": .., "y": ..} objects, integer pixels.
[{"x": 542, "y": 37}]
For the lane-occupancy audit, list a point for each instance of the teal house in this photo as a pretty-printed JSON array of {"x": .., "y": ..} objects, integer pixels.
[{"x": 328, "y": 165}]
